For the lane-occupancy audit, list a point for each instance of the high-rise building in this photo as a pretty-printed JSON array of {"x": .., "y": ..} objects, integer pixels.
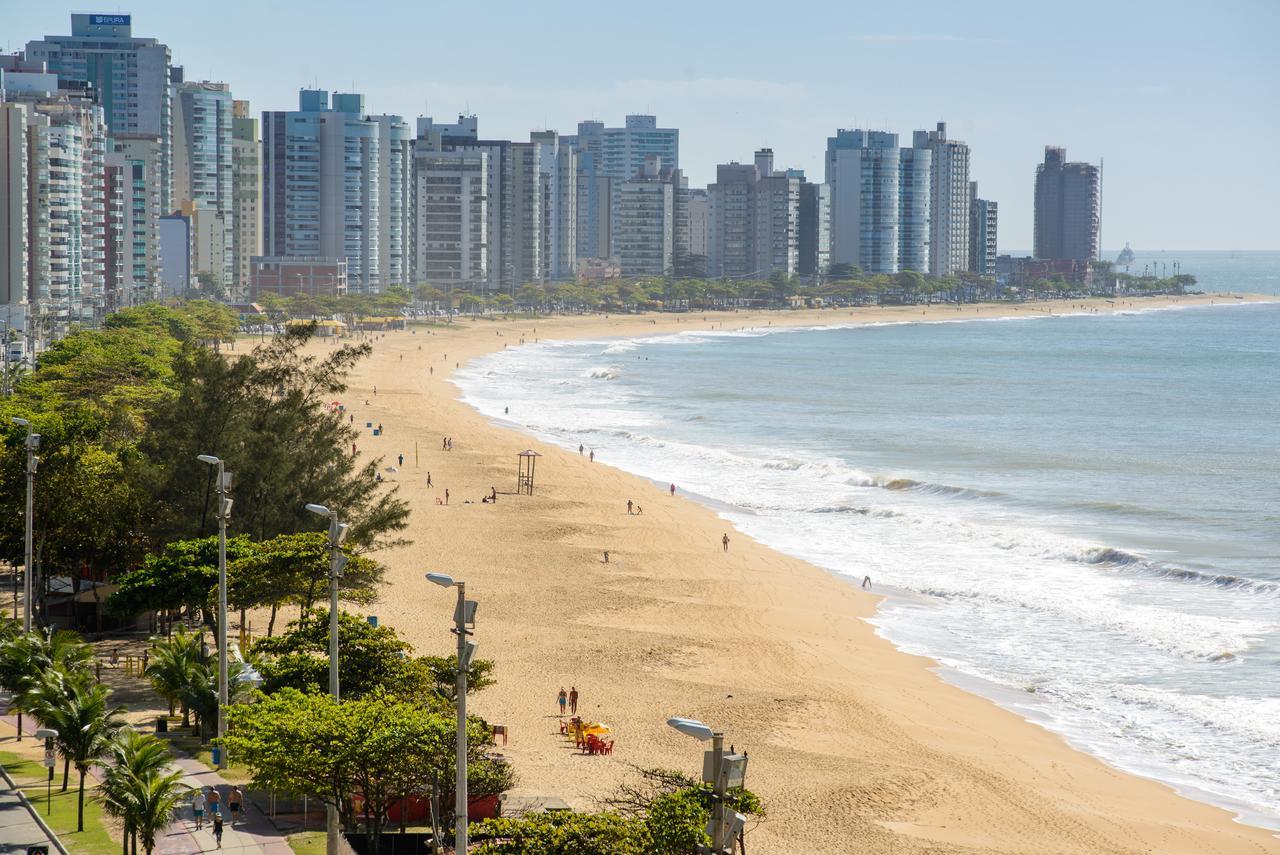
[
  {"x": 131, "y": 76},
  {"x": 395, "y": 201},
  {"x": 203, "y": 175},
  {"x": 14, "y": 206},
  {"x": 321, "y": 176},
  {"x": 948, "y": 201},
  {"x": 815, "y": 229},
  {"x": 914, "y": 176},
  {"x": 558, "y": 167},
  {"x": 699, "y": 211},
  {"x": 645, "y": 221},
  {"x": 609, "y": 156},
  {"x": 982, "y": 233},
  {"x": 246, "y": 192},
  {"x": 1066, "y": 208},
  {"x": 514, "y": 184},
  {"x": 452, "y": 216},
  {"x": 863, "y": 169},
  {"x": 753, "y": 220},
  {"x": 141, "y": 187}
]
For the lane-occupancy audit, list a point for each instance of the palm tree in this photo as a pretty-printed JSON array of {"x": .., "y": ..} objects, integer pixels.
[
  {"x": 172, "y": 669},
  {"x": 26, "y": 656},
  {"x": 202, "y": 692},
  {"x": 127, "y": 793},
  {"x": 158, "y": 796},
  {"x": 75, "y": 705}
]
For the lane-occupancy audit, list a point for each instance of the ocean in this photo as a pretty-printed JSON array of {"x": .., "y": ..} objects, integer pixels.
[{"x": 1077, "y": 515}]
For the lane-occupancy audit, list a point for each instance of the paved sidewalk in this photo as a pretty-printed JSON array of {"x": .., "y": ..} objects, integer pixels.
[
  {"x": 18, "y": 828},
  {"x": 253, "y": 835}
]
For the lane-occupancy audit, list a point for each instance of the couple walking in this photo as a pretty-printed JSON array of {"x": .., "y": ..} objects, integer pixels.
[{"x": 571, "y": 698}]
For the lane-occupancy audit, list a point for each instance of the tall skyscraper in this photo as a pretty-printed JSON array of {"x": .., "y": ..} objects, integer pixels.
[
  {"x": 754, "y": 220},
  {"x": 395, "y": 201},
  {"x": 321, "y": 172},
  {"x": 203, "y": 174},
  {"x": 699, "y": 212},
  {"x": 982, "y": 233},
  {"x": 130, "y": 75},
  {"x": 645, "y": 221},
  {"x": 914, "y": 203},
  {"x": 863, "y": 170},
  {"x": 558, "y": 167},
  {"x": 246, "y": 192},
  {"x": 1066, "y": 208},
  {"x": 143, "y": 157},
  {"x": 14, "y": 195},
  {"x": 948, "y": 201},
  {"x": 815, "y": 229},
  {"x": 452, "y": 212}
]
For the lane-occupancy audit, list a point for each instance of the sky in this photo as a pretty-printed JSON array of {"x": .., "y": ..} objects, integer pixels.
[{"x": 1179, "y": 99}]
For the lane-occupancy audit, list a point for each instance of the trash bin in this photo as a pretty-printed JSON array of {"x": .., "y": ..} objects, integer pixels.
[
  {"x": 217, "y": 756},
  {"x": 162, "y": 724}
]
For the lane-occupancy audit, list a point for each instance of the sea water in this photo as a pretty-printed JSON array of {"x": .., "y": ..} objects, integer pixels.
[{"x": 1081, "y": 511}]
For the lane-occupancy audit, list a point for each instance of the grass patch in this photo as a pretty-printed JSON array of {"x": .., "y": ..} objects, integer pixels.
[
  {"x": 30, "y": 778},
  {"x": 308, "y": 843}
]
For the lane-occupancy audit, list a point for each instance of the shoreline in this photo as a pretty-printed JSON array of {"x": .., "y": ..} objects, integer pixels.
[{"x": 857, "y": 743}]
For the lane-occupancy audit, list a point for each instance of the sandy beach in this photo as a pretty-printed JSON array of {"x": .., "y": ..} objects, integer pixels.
[{"x": 854, "y": 746}]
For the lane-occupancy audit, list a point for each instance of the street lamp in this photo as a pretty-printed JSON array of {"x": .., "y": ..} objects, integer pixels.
[
  {"x": 32, "y": 444},
  {"x": 337, "y": 560},
  {"x": 721, "y": 771},
  {"x": 224, "y": 516},
  {"x": 464, "y": 614}
]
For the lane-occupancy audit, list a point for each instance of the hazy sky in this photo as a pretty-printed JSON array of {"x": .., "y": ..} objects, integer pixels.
[{"x": 1181, "y": 98}]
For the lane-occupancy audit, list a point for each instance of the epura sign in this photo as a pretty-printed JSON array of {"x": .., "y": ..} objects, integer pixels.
[{"x": 110, "y": 20}]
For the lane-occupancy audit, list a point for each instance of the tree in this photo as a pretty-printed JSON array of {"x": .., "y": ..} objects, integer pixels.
[
  {"x": 75, "y": 706},
  {"x": 184, "y": 575},
  {"x": 372, "y": 659},
  {"x": 675, "y": 808},
  {"x": 26, "y": 656},
  {"x": 138, "y": 788},
  {"x": 172, "y": 669},
  {"x": 375, "y": 749}
]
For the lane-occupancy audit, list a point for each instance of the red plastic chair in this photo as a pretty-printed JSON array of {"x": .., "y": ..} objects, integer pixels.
[{"x": 608, "y": 747}]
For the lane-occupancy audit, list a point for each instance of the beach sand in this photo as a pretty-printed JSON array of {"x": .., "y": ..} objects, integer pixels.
[{"x": 854, "y": 746}]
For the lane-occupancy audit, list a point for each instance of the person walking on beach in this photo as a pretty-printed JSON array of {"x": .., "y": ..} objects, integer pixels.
[
  {"x": 428, "y": 479},
  {"x": 629, "y": 506},
  {"x": 400, "y": 460},
  {"x": 866, "y": 583},
  {"x": 606, "y": 556},
  {"x": 197, "y": 808},
  {"x": 446, "y": 500},
  {"x": 593, "y": 455},
  {"x": 725, "y": 541},
  {"x": 444, "y": 443},
  {"x": 563, "y": 699},
  {"x": 573, "y": 699},
  {"x": 673, "y": 489},
  {"x": 217, "y": 829},
  {"x": 581, "y": 448}
]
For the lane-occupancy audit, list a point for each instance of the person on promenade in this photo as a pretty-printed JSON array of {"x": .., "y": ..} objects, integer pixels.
[
  {"x": 562, "y": 699},
  {"x": 725, "y": 541},
  {"x": 573, "y": 700},
  {"x": 197, "y": 808},
  {"x": 235, "y": 803},
  {"x": 217, "y": 829}
]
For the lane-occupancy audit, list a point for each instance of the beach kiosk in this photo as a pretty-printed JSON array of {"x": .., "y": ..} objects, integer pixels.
[{"x": 525, "y": 463}]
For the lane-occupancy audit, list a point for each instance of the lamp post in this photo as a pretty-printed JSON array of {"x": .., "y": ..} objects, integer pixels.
[
  {"x": 720, "y": 770},
  {"x": 224, "y": 516},
  {"x": 33, "y": 445},
  {"x": 464, "y": 613},
  {"x": 337, "y": 560}
]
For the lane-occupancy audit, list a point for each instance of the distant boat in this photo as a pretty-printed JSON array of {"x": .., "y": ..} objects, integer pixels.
[{"x": 1126, "y": 256}]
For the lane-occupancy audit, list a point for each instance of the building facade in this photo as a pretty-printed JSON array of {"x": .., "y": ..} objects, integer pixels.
[
  {"x": 203, "y": 175},
  {"x": 322, "y": 176},
  {"x": 452, "y": 216},
  {"x": 645, "y": 222},
  {"x": 914, "y": 229},
  {"x": 558, "y": 170},
  {"x": 142, "y": 211},
  {"x": 131, "y": 76},
  {"x": 395, "y": 201},
  {"x": 863, "y": 170},
  {"x": 753, "y": 222},
  {"x": 815, "y": 230},
  {"x": 1066, "y": 208},
  {"x": 297, "y": 276},
  {"x": 699, "y": 212},
  {"x": 982, "y": 233},
  {"x": 948, "y": 201},
  {"x": 246, "y": 193}
]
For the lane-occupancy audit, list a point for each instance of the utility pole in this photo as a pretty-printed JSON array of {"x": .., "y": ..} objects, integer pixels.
[
  {"x": 224, "y": 517},
  {"x": 337, "y": 560},
  {"x": 463, "y": 615}
]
